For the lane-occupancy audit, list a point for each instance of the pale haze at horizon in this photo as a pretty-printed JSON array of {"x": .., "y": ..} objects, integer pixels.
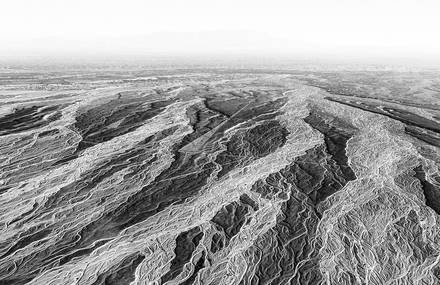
[{"x": 170, "y": 27}]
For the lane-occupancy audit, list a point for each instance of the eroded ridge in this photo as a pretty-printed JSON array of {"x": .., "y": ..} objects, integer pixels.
[{"x": 219, "y": 177}]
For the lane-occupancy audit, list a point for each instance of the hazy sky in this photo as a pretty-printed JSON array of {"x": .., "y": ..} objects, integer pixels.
[{"x": 310, "y": 27}]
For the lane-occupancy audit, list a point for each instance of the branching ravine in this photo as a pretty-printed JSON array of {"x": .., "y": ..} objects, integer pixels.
[{"x": 231, "y": 178}]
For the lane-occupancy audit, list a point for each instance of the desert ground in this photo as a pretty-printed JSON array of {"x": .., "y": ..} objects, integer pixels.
[{"x": 219, "y": 176}]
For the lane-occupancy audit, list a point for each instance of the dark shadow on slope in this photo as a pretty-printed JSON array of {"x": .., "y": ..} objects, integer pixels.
[
  {"x": 112, "y": 119},
  {"x": 424, "y": 135},
  {"x": 287, "y": 254},
  {"x": 25, "y": 240},
  {"x": 229, "y": 220},
  {"x": 403, "y": 116},
  {"x": 124, "y": 274},
  {"x": 186, "y": 243},
  {"x": 28, "y": 118},
  {"x": 257, "y": 142},
  {"x": 335, "y": 141},
  {"x": 198, "y": 266},
  {"x": 280, "y": 251},
  {"x": 431, "y": 191},
  {"x": 184, "y": 178},
  {"x": 82, "y": 252}
]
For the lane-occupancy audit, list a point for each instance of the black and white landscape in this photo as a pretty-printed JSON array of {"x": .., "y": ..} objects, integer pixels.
[
  {"x": 219, "y": 142},
  {"x": 219, "y": 177}
]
